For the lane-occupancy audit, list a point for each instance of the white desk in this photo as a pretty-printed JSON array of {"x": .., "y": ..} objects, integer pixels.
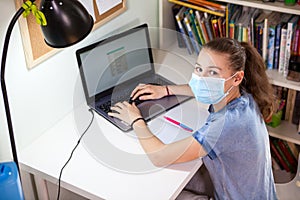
[{"x": 108, "y": 164}]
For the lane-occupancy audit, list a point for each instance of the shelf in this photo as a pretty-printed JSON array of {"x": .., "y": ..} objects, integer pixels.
[
  {"x": 286, "y": 131},
  {"x": 272, "y": 6},
  {"x": 168, "y": 42},
  {"x": 278, "y": 79}
]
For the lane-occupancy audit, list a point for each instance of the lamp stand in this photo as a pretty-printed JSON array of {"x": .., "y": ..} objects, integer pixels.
[{"x": 3, "y": 85}]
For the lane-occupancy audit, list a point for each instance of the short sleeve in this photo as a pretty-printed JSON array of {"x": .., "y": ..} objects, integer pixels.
[{"x": 209, "y": 135}]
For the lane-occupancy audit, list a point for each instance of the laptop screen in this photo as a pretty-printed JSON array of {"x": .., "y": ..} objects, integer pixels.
[{"x": 114, "y": 60}]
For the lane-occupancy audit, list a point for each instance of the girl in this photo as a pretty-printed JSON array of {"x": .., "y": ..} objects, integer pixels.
[{"x": 234, "y": 142}]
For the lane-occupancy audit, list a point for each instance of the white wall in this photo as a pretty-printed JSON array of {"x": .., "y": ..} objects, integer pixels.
[{"x": 43, "y": 95}]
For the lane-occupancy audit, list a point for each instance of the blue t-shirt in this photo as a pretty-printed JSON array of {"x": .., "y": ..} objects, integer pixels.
[{"x": 238, "y": 159}]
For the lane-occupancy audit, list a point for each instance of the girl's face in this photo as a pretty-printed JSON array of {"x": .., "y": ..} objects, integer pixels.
[{"x": 212, "y": 64}]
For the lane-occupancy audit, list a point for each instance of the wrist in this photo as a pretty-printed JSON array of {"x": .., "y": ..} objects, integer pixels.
[
  {"x": 138, "y": 119},
  {"x": 167, "y": 90}
]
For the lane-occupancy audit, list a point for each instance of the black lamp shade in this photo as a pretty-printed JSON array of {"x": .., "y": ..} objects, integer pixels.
[{"x": 68, "y": 22}]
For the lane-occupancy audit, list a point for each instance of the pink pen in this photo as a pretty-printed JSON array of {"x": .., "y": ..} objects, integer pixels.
[{"x": 184, "y": 127}]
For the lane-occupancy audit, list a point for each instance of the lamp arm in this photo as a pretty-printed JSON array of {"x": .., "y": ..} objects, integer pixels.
[{"x": 3, "y": 85}]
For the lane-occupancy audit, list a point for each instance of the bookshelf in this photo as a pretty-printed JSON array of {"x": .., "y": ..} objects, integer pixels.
[
  {"x": 167, "y": 40},
  {"x": 286, "y": 131}
]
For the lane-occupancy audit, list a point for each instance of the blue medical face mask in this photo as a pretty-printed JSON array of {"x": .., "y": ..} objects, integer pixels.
[{"x": 209, "y": 90}]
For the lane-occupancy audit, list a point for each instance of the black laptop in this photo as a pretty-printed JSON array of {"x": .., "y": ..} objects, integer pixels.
[{"x": 111, "y": 68}]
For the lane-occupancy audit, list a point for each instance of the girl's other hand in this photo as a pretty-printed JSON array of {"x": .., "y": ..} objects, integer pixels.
[{"x": 148, "y": 91}]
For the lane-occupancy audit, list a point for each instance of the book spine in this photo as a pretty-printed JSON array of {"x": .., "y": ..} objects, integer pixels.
[
  {"x": 220, "y": 27},
  {"x": 287, "y": 49},
  {"x": 184, "y": 36},
  {"x": 298, "y": 46},
  {"x": 278, "y": 156},
  {"x": 293, "y": 149},
  {"x": 287, "y": 165},
  {"x": 208, "y": 26},
  {"x": 215, "y": 28},
  {"x": 217, "y": 13},
  {"x": 295, "y": 42},
  {"x": 196, "y": 28},
  {"x": 191, "y": 18},
  {"x": 277, "y": 45},
  {"x": 259, "y": 38},
  {"x": 191, "y": 35},
  {"x": 271, "y": 47},
  {"x": 231, "y": 30},
  {"x": 245, "y": 34},
  {"x": 282, "y": 50},
  {"x": 180, "y": 40},
  {"x": 238, "y": 32},
  {"x": 293, "y": 157},
  {"x": 265, "y": 40},
  {"x": 289, "y": 158},
  {"x": 202, "y": 27},
  {"x": 290, "y": 30}
]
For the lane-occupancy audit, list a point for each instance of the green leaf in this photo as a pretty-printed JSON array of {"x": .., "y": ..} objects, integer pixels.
[{"x": 31, "y": 7}]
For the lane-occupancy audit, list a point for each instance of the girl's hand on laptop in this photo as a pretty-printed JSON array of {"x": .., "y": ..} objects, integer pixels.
[
  {"x": 148, "y": 91},
  {"x": 125, "y": 112}
]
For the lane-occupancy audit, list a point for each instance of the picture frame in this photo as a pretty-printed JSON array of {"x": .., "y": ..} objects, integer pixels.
[{"x": 36, "y": 50}]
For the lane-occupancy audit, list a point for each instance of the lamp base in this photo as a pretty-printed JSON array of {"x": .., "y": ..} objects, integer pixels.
[{"x": 10, "y": 184}]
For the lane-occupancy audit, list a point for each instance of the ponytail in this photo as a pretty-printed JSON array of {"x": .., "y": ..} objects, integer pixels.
[{"x": 256, "y": 81}]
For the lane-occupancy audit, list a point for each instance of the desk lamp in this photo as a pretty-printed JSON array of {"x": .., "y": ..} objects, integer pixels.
[{"x": 64, "y": 23}]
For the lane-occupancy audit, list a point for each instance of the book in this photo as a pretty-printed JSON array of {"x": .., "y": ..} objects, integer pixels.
[
  {"x": 281, "y": 58},
  {"x": 295, "y": 41},
  {"x": 220, "y": 26},
  {"x": 283, "y": 20},
  {"x": 275, "y": 163},
  {"x": 289, "y": 158},
  {"x": 215, "y": 27},
  {"x": 180, "y": 40},
  {"x": 199, "y": 17},
  {"x": 276, "y": 154},
  {"x": 208, "y": 4},
  {"x": 208, "y": 26},
  {"x": 195, "y": 27},
  {"x": 274, "y": 18},
  {"x": 259, "y": 24},
  {"x": 217, "y": 12},
  {"x": 179, "y": 18},
  {"x": 293, "y": 156},
  {"x": 291, "y": 25},
  {"x": 192, "y": 36},
  {"x": 293, "y": 148},
  {"x": 237, "y": 11},
  {"x": 254, "y": 15},
  {"x": 284, "y": 158}
]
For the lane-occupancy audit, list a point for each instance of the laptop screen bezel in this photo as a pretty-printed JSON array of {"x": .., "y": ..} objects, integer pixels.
[{"x": 91, "y": 99}]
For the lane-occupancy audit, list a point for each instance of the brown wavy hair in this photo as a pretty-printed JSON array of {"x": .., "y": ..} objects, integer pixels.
[{"x": 243, "y": 56}]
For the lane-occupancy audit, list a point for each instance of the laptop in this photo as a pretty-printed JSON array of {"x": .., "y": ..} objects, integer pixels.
[{"x": 111, "y": 68}]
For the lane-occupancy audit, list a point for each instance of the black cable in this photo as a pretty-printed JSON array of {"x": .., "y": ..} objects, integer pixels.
[{"x": 60, "y": 174}]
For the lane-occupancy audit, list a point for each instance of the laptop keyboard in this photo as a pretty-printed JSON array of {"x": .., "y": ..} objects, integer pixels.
[{"x": 106, "y": 106}]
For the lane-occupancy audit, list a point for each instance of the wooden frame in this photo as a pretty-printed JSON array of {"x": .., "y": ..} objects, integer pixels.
[{"x": 35, "y": 48}]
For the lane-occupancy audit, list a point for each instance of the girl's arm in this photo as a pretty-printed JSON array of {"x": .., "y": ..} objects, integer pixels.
[
  {"x": 162, "y": 154},
  {"x": 148, "y": 91}
]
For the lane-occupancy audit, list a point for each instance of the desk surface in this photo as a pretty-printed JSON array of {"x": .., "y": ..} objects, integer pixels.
[{"x": 109, "y": 163}]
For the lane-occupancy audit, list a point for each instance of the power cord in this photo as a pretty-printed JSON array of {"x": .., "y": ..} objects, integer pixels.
[{"x": 60, "y": 174}]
